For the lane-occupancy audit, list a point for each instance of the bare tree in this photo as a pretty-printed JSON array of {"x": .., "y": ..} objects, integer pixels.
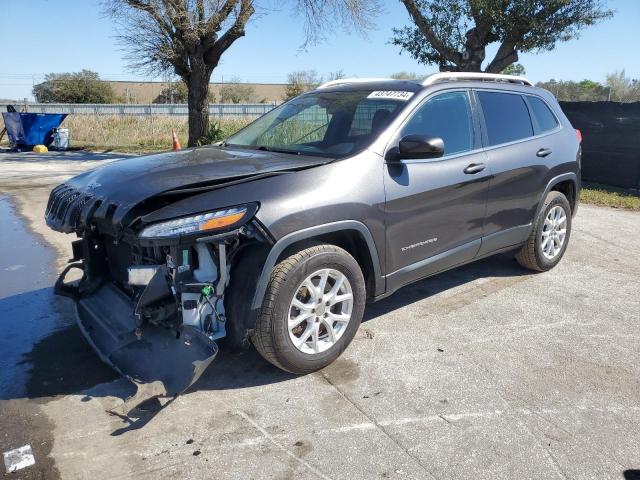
[
  {"x": 237, "y": 92},
  {"x": 405, "y": 76},
  {"x": 622, "y": 88},
  {"x": 454, "y": 34},
  {"x": 300, "y": 82},
  {"x": 190, "y": 36}
]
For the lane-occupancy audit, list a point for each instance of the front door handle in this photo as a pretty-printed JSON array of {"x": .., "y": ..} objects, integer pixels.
[
  {"x": 475, "y": 168},
  {"x": 544, "y": 152}
]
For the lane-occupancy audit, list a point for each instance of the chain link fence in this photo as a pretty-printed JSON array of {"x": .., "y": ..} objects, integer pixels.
[{"x": 245, "y": 110}]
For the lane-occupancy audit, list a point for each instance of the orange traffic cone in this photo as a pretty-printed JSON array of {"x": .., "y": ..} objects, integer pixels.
[{"x": 174, "y": 138}]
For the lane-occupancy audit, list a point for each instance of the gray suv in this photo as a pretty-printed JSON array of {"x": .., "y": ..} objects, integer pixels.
[{"x": 281, "y": 234}]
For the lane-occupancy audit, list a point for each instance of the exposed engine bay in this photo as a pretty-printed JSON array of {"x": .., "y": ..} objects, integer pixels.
[{"x": 153, "y": 299}]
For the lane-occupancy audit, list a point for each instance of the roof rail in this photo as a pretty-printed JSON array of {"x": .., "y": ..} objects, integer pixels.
[
  {"x": 340, "y": 81},
  {"x": 486, "y": 77}
]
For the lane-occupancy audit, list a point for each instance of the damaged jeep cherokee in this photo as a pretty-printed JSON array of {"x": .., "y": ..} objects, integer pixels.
[{"x": 279, "y": 235}]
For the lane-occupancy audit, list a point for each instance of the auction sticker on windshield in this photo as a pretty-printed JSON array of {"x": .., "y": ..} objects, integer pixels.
[{"x": 391, "y": 95}]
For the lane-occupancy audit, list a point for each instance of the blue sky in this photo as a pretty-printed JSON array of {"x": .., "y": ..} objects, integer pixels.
[{"x": 42, "y": 36}]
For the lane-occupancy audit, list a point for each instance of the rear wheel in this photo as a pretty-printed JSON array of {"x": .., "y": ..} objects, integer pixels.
[
  {"x": 550, "y": 235},
  {"x": 312, "y": 309}
]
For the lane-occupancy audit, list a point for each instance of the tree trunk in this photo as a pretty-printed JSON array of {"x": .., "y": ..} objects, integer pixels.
[{"x": 198, "y": 88}]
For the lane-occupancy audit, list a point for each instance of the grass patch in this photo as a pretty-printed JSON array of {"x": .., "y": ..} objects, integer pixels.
[
  {"x": 607, "y": 196},
  {"x": 136, "y": 134}
]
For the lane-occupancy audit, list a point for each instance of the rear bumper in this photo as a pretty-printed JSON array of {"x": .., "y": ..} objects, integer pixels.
[{"x": 172, "y": 360}]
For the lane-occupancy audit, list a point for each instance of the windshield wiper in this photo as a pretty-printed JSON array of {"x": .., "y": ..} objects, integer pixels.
[{"x": 278, "y": 150}]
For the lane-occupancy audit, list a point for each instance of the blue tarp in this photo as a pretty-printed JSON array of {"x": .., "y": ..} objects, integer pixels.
[{"x": 28, "y": 129}]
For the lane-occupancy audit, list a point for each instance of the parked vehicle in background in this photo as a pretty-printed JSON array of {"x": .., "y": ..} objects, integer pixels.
[{"x": 280, "y": 234}]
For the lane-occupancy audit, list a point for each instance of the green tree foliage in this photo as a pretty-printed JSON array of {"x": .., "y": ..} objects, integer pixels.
[
  {"x": 567, "y": 91},
  {"x": 454, "y": 34},
  {"x": 618, "y": 88},
  {"x": 237, "y": 92},
  {"x": 300, "y": 82},
  {"x": 515, "y": 69},
  {"x": 77, "y": 87}
]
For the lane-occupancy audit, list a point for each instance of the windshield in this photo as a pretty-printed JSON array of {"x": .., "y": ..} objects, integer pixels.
[{"x": 331, "y": 124}]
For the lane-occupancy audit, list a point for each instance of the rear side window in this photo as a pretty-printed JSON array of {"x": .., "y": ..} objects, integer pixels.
[
  {"x": 506, "y": 117},
  {"x": 543, "y": 115},
  {"x": 447, "y": 116}
]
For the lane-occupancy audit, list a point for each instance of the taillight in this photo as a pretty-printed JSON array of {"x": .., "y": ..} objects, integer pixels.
[{"x": 579, "y": 135}]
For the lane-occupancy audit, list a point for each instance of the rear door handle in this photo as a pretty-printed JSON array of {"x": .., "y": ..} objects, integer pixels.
[
  {"x": 475, "y": 168},
  {"x": 544, "y": 152}
]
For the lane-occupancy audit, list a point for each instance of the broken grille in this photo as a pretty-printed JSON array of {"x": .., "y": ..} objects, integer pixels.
[{"x": 64, "y": 208}]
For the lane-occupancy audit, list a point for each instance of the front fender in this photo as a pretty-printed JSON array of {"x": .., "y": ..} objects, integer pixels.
[{"x": 306, "y": 234}]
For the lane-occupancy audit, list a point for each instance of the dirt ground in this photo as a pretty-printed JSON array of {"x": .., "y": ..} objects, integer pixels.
[{"x": 486, "y": 371}]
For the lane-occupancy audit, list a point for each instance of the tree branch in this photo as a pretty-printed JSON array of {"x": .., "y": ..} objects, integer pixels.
[
  {"x": 154, "y": 13},
  {"x": 422, "y": 23},
  {"x": 505, "y": 56},
  {"x": 215, "y": 22},
  {"x": 213, "y": 54}
]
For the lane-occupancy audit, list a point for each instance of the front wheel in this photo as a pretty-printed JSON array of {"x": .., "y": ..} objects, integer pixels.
[
  {"x": 550, "y": 235},
  {"x": 312, "y": 309}
]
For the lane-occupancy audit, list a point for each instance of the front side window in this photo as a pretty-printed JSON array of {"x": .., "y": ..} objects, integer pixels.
[
  {"x": 506, "y": 117},
  {"x": 331, "y": 124},
  {"x": 545, "y": 118},
  {"x": 447, "y": 116},
  {"x": 370, "y": 116}
]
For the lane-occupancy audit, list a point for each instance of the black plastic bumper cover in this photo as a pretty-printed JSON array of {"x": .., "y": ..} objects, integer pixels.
[{"x": 106, "y": 319}]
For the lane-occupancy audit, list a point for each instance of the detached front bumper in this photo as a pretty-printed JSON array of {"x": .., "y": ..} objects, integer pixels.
[{"x": 171, "y": 361}]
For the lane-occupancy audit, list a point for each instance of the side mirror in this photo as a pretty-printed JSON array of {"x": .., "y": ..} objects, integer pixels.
[{"x": 420, "y": 146}]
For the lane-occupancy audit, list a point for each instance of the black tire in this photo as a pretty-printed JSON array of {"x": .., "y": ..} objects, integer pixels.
[
  {"x": 271, "y": 335},
  {"x": 531, "y": 255}
]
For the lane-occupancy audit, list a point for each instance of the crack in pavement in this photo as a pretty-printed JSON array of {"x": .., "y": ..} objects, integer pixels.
[
  {"x": 378, "y": 426},
  {"x": 271, "y": 439},
  {"x": 554, "y": 462}
]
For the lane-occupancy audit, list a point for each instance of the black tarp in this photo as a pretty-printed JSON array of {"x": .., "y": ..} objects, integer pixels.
[{"x": 610, "y": 141}]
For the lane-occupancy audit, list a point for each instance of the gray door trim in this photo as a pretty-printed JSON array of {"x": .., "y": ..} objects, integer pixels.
[{"x": 427, "y": 267}]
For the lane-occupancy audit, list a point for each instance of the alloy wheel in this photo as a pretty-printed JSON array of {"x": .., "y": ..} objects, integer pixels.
[
  {"x": 554, "y": 232},
  {"x": 320, "y": 311}
]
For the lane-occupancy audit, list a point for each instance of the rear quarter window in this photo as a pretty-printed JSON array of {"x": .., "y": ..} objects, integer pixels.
[
  {"x": 542, "y": 113},
  {"x": 506, "y": 117}
]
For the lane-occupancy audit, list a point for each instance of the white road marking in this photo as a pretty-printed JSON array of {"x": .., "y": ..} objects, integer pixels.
[
  {"x": 13, "y": 268},
  {"x": 271, "y": 439},
  {"x": 18, "y": 459}
]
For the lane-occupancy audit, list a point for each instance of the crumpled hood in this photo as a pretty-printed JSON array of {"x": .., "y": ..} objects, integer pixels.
[
  {"x": 113, "y": 190},
  {"x": 131, "y": 180}
]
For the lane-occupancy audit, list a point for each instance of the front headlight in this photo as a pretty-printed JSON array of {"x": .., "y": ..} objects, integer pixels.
[{"x": 203, "y": 222}]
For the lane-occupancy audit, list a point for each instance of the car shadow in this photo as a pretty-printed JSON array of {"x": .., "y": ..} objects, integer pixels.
[
  {"x": 502, "y": 265},
  {"x": 63, "y": 363}
]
